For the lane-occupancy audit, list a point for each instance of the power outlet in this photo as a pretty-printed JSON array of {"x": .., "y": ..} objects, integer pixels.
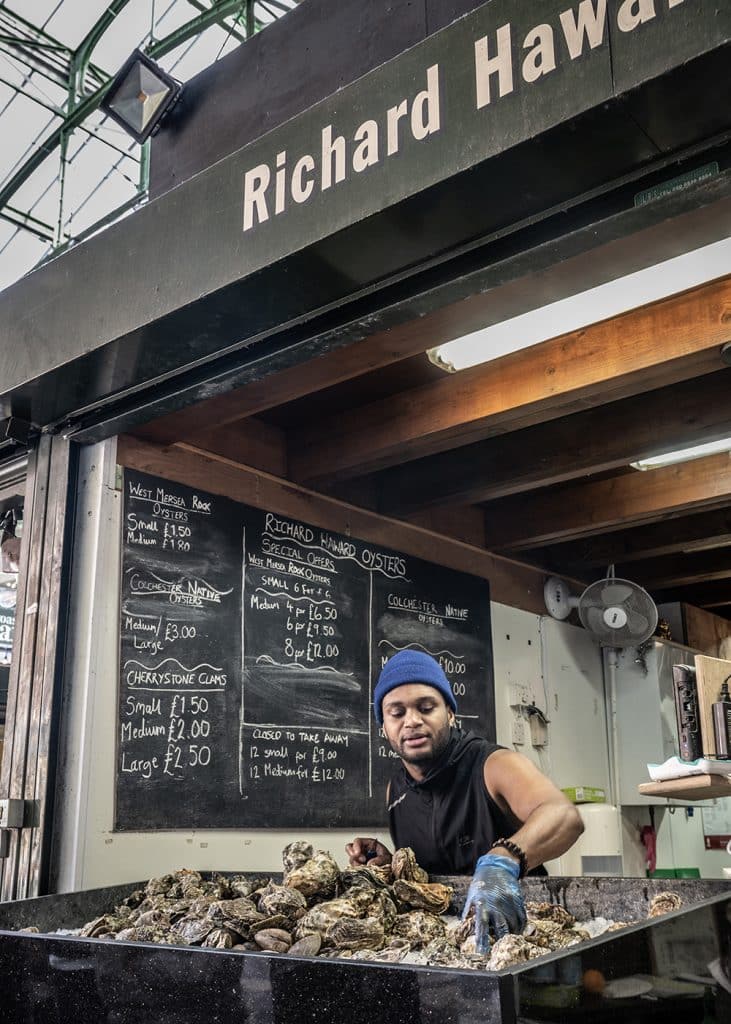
[
  {"x": 520, "y": 695},
  {"x": 518, "y": 730},
  {"x": 538, "y": 731}
]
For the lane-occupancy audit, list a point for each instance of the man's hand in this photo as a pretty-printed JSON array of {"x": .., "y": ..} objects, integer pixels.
[
  {"x": 495, "y": 894},
  {"x": 367, "y": 851}
]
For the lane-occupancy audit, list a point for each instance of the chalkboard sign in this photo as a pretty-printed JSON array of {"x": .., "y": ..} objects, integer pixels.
[{"x": 250, "y": 646}]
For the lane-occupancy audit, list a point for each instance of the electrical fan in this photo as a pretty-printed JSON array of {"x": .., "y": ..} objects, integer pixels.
[{"x": 618, "y": 612}]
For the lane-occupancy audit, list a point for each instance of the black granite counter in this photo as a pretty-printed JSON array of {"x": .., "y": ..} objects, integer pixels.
[{"x": 59, "y": 979}]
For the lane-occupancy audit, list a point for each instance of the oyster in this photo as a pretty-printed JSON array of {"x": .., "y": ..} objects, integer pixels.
[
  {"x": 317, "y": 876},
  {"x": 512, "y": 949},
  {"x": 282, "y": 899},
  {"x": 307, "y": 946},
  {"x": 663, "y": 903},
  {"x": 355, "y": 933},
  {"x": 192, "y": 930},
  {"x": 549, "y": 912},
  {"x": 99, "y": 926},
  {"x": 419, "y": 927},
  {"x": 549, "y": 934},
  {"x": 240, "y": 915},
  {"x": 160, "y": 886},
  {"x": 320, "y": 917},
  {"x": 403, "y": 865},
  {"x": 423, "y": 896},
  {"x": 364, "y": 877},
  {"x": 220, "y": 938},
  {"x": 295, "y": 855},
  {"x": 276, "y": 940},
  {"x": 459, "y": 931}
]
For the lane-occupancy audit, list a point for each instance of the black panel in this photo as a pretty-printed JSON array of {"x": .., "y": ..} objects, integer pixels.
[
  {"x": 312, "y": 52},
  {"x": 180, "y": 284}
]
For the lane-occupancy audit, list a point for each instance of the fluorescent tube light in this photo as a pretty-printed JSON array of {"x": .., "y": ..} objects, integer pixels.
[
  {"x": 684, "y": 454},
  {"x": 584, "y": 308}
]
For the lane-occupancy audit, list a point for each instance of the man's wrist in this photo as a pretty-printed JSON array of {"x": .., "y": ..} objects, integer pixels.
[
  {"x": 495, "y": 860},
  {"x": 506, "y": 847}
]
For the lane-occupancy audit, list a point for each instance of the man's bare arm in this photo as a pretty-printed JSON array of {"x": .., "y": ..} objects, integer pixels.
[{"x": 550, "y": 822}]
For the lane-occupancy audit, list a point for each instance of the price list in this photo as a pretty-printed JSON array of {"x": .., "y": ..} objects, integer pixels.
[
  {"x": 178, "y": 681},
  {"x": 250, "y": 646}
]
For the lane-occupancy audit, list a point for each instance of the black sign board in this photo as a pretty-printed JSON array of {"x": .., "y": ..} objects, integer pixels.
[{"x": 250, "y": 645}]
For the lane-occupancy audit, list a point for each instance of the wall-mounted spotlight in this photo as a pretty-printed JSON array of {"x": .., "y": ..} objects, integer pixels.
[{"x": 140, "y": 95}]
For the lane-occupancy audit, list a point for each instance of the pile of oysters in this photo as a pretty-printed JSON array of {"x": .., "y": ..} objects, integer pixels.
[{"x": 388, "y": 914}]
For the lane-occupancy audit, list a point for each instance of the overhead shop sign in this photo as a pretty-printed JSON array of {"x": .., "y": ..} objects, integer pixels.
[{"x": 498, "y": 77}]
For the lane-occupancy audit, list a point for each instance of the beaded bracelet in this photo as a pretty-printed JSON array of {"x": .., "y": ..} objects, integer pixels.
[{"x": 516, "y": 851}]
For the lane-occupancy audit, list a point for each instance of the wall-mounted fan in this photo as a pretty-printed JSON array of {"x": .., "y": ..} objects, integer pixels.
[{"x": 618, "y": 612}]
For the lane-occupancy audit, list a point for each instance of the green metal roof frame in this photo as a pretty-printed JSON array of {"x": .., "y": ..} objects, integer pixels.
[{"x": 74, "y": 70}]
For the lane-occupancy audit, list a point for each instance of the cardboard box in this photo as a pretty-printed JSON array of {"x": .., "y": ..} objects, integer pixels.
[{"x": 585, "y": 794}]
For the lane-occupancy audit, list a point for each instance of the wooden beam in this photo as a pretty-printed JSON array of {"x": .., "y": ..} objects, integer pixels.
[
  {"x": 685, "y": 533},
  {"x": 714, "y": 594},
  {"x": 675, "y": 339},
  {"x": 679, "y": 570},
  {"x": 575, "y": 510},
  {"x": 691, "y": 412},
  {"x": 251, "y": 442},
  {"x": 511, "y": 582}
]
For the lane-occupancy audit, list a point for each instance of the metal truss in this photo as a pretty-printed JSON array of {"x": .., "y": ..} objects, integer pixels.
[{"x": 85, "y": 85}]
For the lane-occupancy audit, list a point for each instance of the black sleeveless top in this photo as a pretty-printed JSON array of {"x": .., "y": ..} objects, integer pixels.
[{"x": 449, "y": 819}]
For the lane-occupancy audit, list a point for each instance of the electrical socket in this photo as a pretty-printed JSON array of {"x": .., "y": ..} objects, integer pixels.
[
  {"x": 518, "y": 730},
  {"x": 520, "y": 695},
  {"x": 538, "y": 731}
]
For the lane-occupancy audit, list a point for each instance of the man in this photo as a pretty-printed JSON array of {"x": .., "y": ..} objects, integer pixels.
[{"x": 461, "y": 803}]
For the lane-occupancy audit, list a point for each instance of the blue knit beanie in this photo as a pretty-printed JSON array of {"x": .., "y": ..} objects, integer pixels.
[{"x": 411, "y": 667}]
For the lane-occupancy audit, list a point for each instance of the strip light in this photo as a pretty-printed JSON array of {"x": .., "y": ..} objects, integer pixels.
[
  {"x": 684, "y": 454},
  {"x": 584, "y": 308}
]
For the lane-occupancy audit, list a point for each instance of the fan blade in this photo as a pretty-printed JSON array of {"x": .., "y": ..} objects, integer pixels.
[
  {"x": 639, "y": 624},
  {"x": 616, "y": 593},
  {"x": 595, "y": 620}
]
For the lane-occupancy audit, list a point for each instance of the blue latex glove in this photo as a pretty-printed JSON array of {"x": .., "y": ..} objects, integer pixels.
[{"x": 495, "y": 894}]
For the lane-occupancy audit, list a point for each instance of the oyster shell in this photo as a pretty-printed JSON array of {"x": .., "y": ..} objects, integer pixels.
[
  {"x": 549, "y": 912},
  {"x": 549, "y": 934},
  {"x": 320, "y": 917},
  {"x": 276, "y": 940},
  {"x": 192, "y": 930},
  {"x": 403, "y": 865},
  {"x": 663, "y": 903},
  {"x": 220, "y": 938},
  {"x": 419, "y": 927},
  {"x": 433, "y": 897},
  {"x": 282, "y": 899},
  {"x": 295, "y": 854},
  {"x": 240, "y": 915},
  {"x": 355, "y": 933},
  {"x": 364, "y": 877},
  {"x": 317, "y": 876},
  {"x": 307, "y": 946},
  {"x": 512, "y": 949},
  {"x": 160, "y": 886}
]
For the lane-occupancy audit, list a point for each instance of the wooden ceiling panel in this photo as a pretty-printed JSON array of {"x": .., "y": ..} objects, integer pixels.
[
  {"x": 701, "y": 531},
  {"x": 577, "y": 510},
  {"x": 585, "y": 368},
  {"x": 608, "y": 437},
  {"x": 528, "y": 453}
]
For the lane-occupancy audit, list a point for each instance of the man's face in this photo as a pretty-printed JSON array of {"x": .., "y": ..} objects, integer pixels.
[{"x": 416, "y": 721}]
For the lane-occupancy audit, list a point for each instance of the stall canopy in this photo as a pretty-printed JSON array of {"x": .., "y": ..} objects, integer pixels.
[{"x": 291, "y": 286}]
